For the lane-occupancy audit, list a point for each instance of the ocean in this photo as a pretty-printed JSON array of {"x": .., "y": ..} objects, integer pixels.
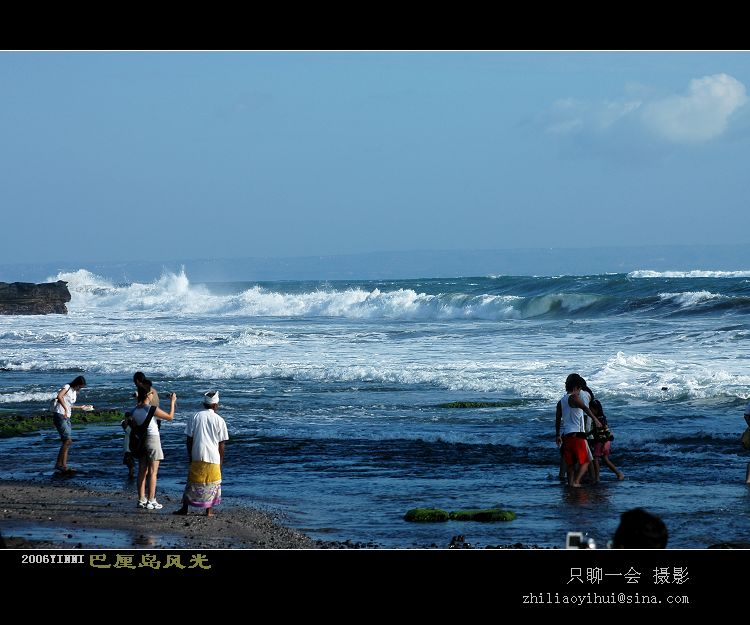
[{"x": 341, "y": 397}]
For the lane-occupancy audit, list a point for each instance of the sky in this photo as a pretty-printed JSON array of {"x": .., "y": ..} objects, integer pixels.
[{"x": 120, "y": 156}]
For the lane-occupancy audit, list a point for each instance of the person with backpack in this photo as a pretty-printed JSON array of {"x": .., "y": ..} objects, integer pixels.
[
  {"x": 62, "y": 406},
  {"x": 148, "y": 448}
]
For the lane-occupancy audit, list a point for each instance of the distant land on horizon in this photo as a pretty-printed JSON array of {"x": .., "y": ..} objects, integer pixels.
[{"x": 408, "y": 264}]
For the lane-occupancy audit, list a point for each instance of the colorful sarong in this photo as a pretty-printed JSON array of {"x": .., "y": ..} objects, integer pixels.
[{"x": 203, "y": 488}]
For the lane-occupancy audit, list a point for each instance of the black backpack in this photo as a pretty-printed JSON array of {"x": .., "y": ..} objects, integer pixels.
[{"x": 137, "y": 440}]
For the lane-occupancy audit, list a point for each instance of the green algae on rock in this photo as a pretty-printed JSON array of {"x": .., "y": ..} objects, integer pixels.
[
  {"x": 487, "y": 515},
  {"x": 426, "y": 515},
  {"x": 17, "y": 425}
]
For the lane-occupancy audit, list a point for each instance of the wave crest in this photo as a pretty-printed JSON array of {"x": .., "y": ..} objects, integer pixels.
[{"x": 695, "y": 273}]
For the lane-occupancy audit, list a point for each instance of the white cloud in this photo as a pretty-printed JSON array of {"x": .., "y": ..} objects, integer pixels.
[{"x": 701, "y": 115}]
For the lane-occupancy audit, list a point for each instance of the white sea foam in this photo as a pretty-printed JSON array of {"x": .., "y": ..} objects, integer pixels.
[
  {"x": 695, "y": 273},
  {"x": 20, "y": 397},
  {"x": 690, "y": 298},
  {"x": 174, "y": 294},
  {"x": 648, "y": 377}
]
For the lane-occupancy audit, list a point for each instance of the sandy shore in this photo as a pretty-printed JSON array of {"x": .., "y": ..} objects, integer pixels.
[{"x": 66, "y": 515}]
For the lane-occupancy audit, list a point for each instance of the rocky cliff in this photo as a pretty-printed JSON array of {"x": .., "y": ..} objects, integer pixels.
[{"x": 27, "y": 298}]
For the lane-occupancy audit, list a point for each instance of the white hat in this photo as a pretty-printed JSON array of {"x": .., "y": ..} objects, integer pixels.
[{"x": 211, "y": 398}]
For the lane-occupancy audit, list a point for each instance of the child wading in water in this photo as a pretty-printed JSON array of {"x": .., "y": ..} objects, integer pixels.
[{"x": 602, "y": 441}]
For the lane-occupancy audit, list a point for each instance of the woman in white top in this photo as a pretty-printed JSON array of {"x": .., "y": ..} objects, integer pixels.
[
  {"x": 61, "y": 410},
  {"x": 148, "y": 463}
]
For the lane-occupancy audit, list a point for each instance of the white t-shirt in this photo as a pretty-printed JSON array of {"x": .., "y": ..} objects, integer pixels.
[
  {"x": 207, "y": 429},
  {"x": 139, "y": 416},
  {"x": 69, "y": 399},
  {"x": 573, "y": 419}
]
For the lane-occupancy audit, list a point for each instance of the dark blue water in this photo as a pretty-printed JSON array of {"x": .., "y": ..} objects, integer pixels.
[{"x": 335, "y": 395}]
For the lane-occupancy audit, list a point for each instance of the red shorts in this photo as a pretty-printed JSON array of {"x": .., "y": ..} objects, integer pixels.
[
  {"x": 575, "y": 450},
  {"x": 601, "y": 449}
]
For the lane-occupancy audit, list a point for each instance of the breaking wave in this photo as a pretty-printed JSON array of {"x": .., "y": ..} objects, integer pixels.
[{"x": 509, "y": 298}]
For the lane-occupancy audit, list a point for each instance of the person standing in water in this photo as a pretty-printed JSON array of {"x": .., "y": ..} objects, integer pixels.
[
  {"x": 571, "y": 430},
  {"x": 62, "y": 408},
  {"x": 602, "y": 442}
]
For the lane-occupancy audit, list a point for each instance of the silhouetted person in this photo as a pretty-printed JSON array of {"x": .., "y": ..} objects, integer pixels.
[{"x": 640, "y": 530}]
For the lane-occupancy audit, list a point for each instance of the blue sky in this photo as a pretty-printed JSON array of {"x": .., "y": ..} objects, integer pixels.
[{"x": 161, "y": 156}]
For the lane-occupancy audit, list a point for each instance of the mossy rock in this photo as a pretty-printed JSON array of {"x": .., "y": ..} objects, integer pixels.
[
  {"x": 485, "y": 516},
  {"x": 475, "y": 404},
  {"x": 426, "y": 515},
  {"x": 16, "y": 425}
]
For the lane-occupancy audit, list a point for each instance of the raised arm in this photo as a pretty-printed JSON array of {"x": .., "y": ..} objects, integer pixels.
[{"x": 167, "y": 416}]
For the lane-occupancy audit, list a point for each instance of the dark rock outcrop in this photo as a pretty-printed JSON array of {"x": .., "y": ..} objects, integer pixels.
[{"x": 27, "y": 298}]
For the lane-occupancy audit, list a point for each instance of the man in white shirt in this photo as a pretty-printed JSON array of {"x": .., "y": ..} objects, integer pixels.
[{"x": 206, "y": 434}]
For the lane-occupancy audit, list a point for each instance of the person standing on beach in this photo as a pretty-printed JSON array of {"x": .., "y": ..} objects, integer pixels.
[
  {"x": 206, "y": 434},
  {"x": 138, "y": 378},
  {"x": 62, "y": 408},
  {"x": 148, "y": 463},
  {"x": 571, "y": 429},
  {"x": 127, "y": 457}
]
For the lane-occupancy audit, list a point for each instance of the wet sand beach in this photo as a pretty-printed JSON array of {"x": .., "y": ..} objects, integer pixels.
[{"x": 67, "y": 515}]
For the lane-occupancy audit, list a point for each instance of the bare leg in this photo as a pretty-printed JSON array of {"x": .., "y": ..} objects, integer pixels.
[
  {"x": 142, "y": 469},
  {"x": 131, "y": 466},
  {"x": 747, "y": 474},
  {"x": 62, "y": 455},
  {"x": 581, "y": 472},
  {"x": 620, "y": 475},
  {"x": 153, "y": 471},
  {"x": 209, "y": 512},
  {"x": 594, "y": 471},
  {"x": 571, "y": 469}
]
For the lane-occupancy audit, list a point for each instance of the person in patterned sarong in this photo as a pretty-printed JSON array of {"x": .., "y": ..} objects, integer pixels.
[{"x": 206, "y": 434}]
